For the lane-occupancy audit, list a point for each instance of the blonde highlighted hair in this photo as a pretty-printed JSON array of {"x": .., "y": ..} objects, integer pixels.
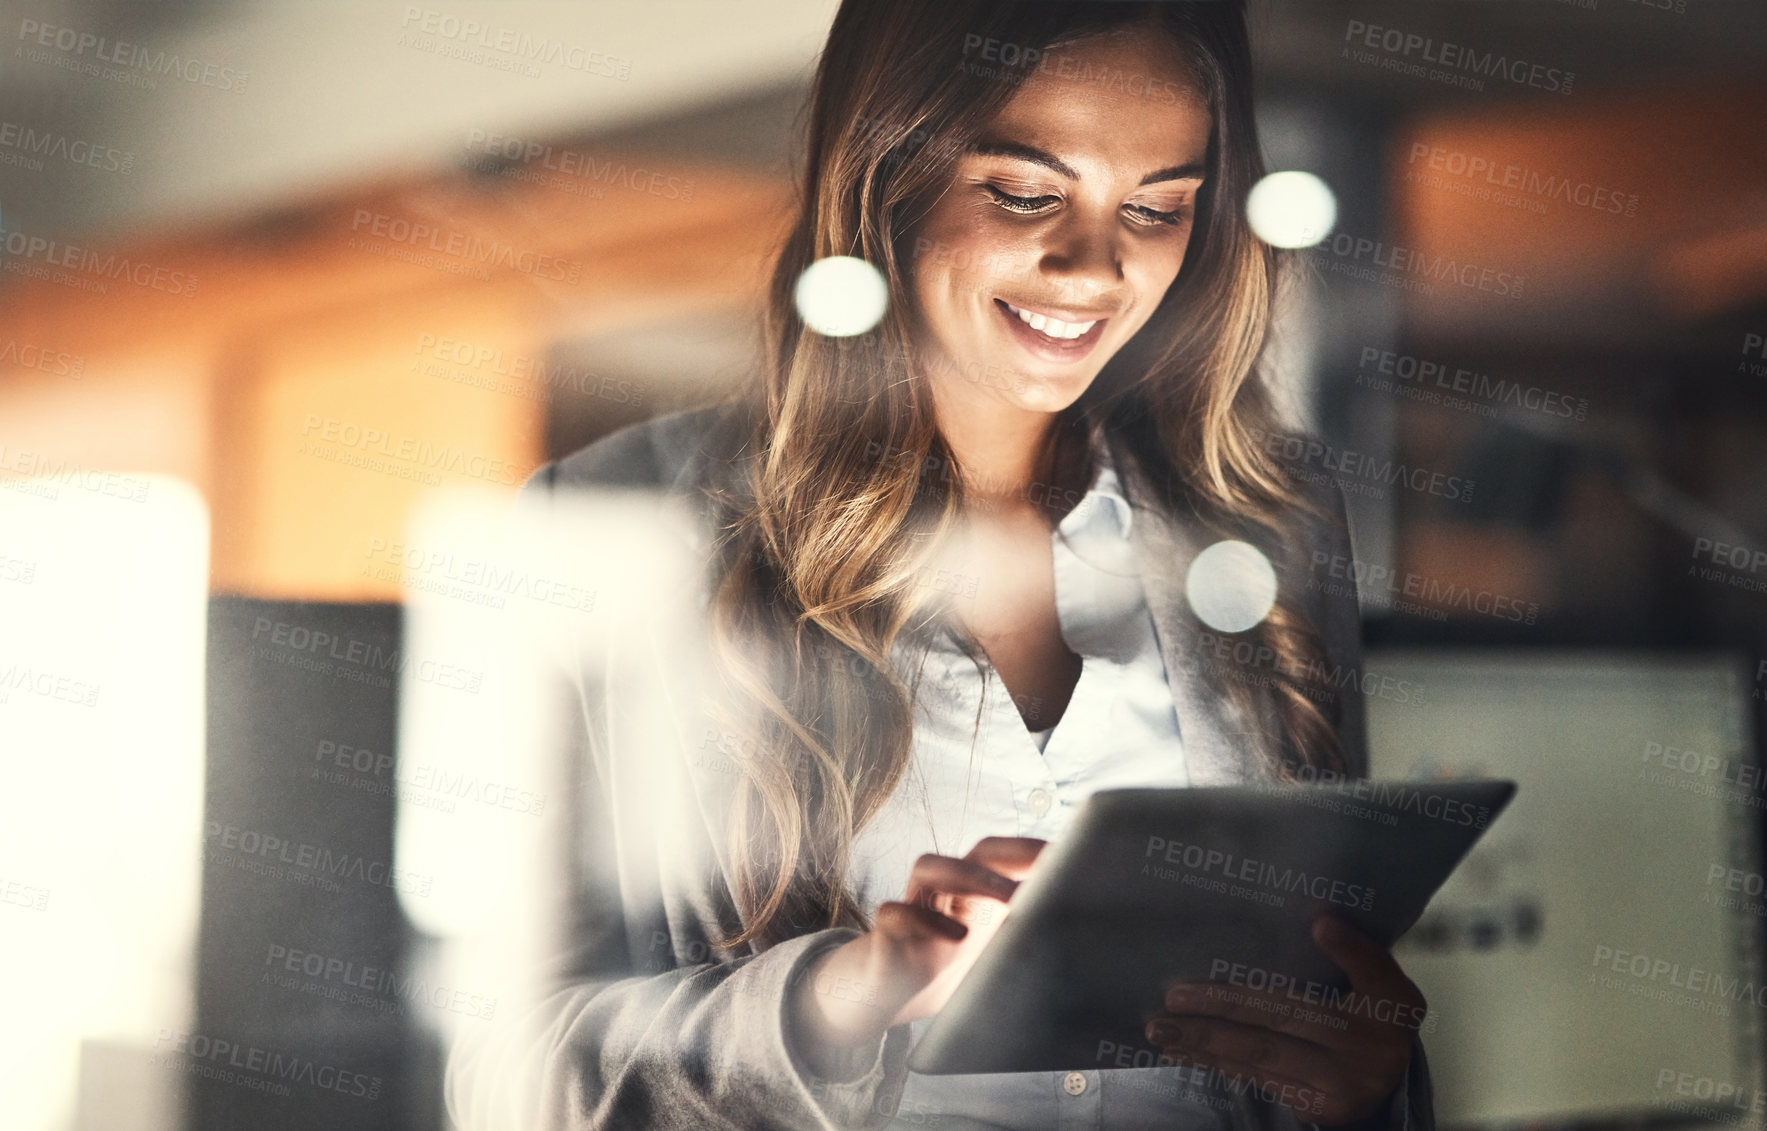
[{"x": 815, "y": 584}]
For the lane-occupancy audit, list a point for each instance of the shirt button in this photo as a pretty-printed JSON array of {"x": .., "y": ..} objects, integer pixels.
[
  {"x": 1074, "y": 1083},
  {"x": 1040, "y": 802}
]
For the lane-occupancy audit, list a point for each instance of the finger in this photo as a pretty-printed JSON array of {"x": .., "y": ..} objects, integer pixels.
[
  {"x": 1253, "y": 1045},
  {"x": 1370, "y": 966},
  {"x": 1326, "y": 1016},
  {"x": 910, "y": 922},
  {"x": 951, "y": 876},
  {"x": 1011, "y": 856},
  {"x": 1358, "y": 955},
  {"x": 1316, "y": 1023}
]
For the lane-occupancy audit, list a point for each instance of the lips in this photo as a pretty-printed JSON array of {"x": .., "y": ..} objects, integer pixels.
[{"x": 1050, "y": 336}]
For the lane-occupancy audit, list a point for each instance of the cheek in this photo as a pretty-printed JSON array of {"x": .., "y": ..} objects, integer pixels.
[
  {"x": 1155, "y": 268},
  {"x": 975, "y": 251},
  {"x": 1171, "y": 252}
]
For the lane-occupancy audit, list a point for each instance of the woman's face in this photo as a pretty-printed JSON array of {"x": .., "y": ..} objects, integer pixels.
[{"x": 1061, "y": 230}]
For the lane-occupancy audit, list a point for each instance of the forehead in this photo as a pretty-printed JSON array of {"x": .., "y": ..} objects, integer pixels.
[{"x": 1126, "y": 98}]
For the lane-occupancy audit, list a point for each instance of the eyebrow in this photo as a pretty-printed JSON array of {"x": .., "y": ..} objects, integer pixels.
[{"x": 1192, "y": 172}]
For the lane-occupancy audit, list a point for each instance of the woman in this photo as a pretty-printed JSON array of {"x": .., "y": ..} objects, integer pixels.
[{"x": 946, "y": 602}]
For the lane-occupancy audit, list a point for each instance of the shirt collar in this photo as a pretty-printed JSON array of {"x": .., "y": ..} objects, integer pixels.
[{"x": 1104, "y": 500}]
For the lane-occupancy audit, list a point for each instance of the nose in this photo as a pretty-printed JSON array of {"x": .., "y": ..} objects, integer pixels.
[{"x": 1084, "y": 253}]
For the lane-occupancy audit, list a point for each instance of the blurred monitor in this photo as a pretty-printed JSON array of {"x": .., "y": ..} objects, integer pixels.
[{"x": 1596, "y": 956}]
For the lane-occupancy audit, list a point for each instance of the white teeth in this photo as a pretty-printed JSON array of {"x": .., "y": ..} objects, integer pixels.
[{"x": 1053, "y": 327}]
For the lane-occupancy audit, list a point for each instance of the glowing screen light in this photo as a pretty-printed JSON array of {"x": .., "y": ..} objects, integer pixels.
[
  {"x": 536, "y": 600},
  {"x": 1231, "y": 586},
  {"x": 1291, "y": 209},
  {"x": 841, "y": 296},
  {"x": 103, "y": 622}
]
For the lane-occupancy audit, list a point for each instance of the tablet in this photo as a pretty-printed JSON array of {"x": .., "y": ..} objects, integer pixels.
[{"x": 1152, "y": 886}]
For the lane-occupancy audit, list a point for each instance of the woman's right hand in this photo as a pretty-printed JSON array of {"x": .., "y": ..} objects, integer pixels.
[{"x": 917, "y": 950}]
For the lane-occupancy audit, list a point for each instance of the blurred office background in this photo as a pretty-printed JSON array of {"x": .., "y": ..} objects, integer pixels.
[{"x": 262, "y": 302}]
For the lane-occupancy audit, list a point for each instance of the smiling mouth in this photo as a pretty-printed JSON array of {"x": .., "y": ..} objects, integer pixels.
[
  {"x": 1053, "y": 327},
  {"x": 1049, "y": 337}
]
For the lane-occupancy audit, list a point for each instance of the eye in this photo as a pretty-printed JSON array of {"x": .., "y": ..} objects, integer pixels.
[
  {"x": 1024, "y": 204},
  {"x": 1154, "y": 216}
]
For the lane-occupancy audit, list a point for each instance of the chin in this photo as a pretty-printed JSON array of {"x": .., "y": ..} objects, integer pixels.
[
  {"x": 1046, "y": 385},
  {"x": 1040, "y": 393}
]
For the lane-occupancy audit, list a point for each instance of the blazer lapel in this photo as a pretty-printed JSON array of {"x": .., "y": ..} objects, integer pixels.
[{"x": 1217, "y": 749}]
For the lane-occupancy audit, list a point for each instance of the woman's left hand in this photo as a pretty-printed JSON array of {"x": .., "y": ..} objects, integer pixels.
[{"x": 1333, "y": 1062}]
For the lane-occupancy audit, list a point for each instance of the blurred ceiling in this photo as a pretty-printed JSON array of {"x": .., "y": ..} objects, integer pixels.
[{"x": 338, "y": 91}]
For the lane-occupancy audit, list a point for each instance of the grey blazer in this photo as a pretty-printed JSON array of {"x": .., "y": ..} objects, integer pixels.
[{"x": 649, "y": 1026}]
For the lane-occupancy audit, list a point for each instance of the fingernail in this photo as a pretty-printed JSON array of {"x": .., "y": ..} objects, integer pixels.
[{"x": 1162, "y": 1032}]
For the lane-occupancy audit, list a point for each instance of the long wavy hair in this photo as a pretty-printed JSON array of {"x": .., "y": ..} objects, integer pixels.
[{"x": 815, "y": 586}]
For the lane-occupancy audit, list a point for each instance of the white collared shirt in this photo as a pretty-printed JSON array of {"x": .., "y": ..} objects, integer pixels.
[{"x": 977, "y": 771}]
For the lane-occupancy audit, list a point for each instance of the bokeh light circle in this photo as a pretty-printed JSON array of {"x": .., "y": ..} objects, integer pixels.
[
  {"x": 1231, "y": 586},
  {"x": 1291, "y": 209},
  {"x": 841, "y": 296}
]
